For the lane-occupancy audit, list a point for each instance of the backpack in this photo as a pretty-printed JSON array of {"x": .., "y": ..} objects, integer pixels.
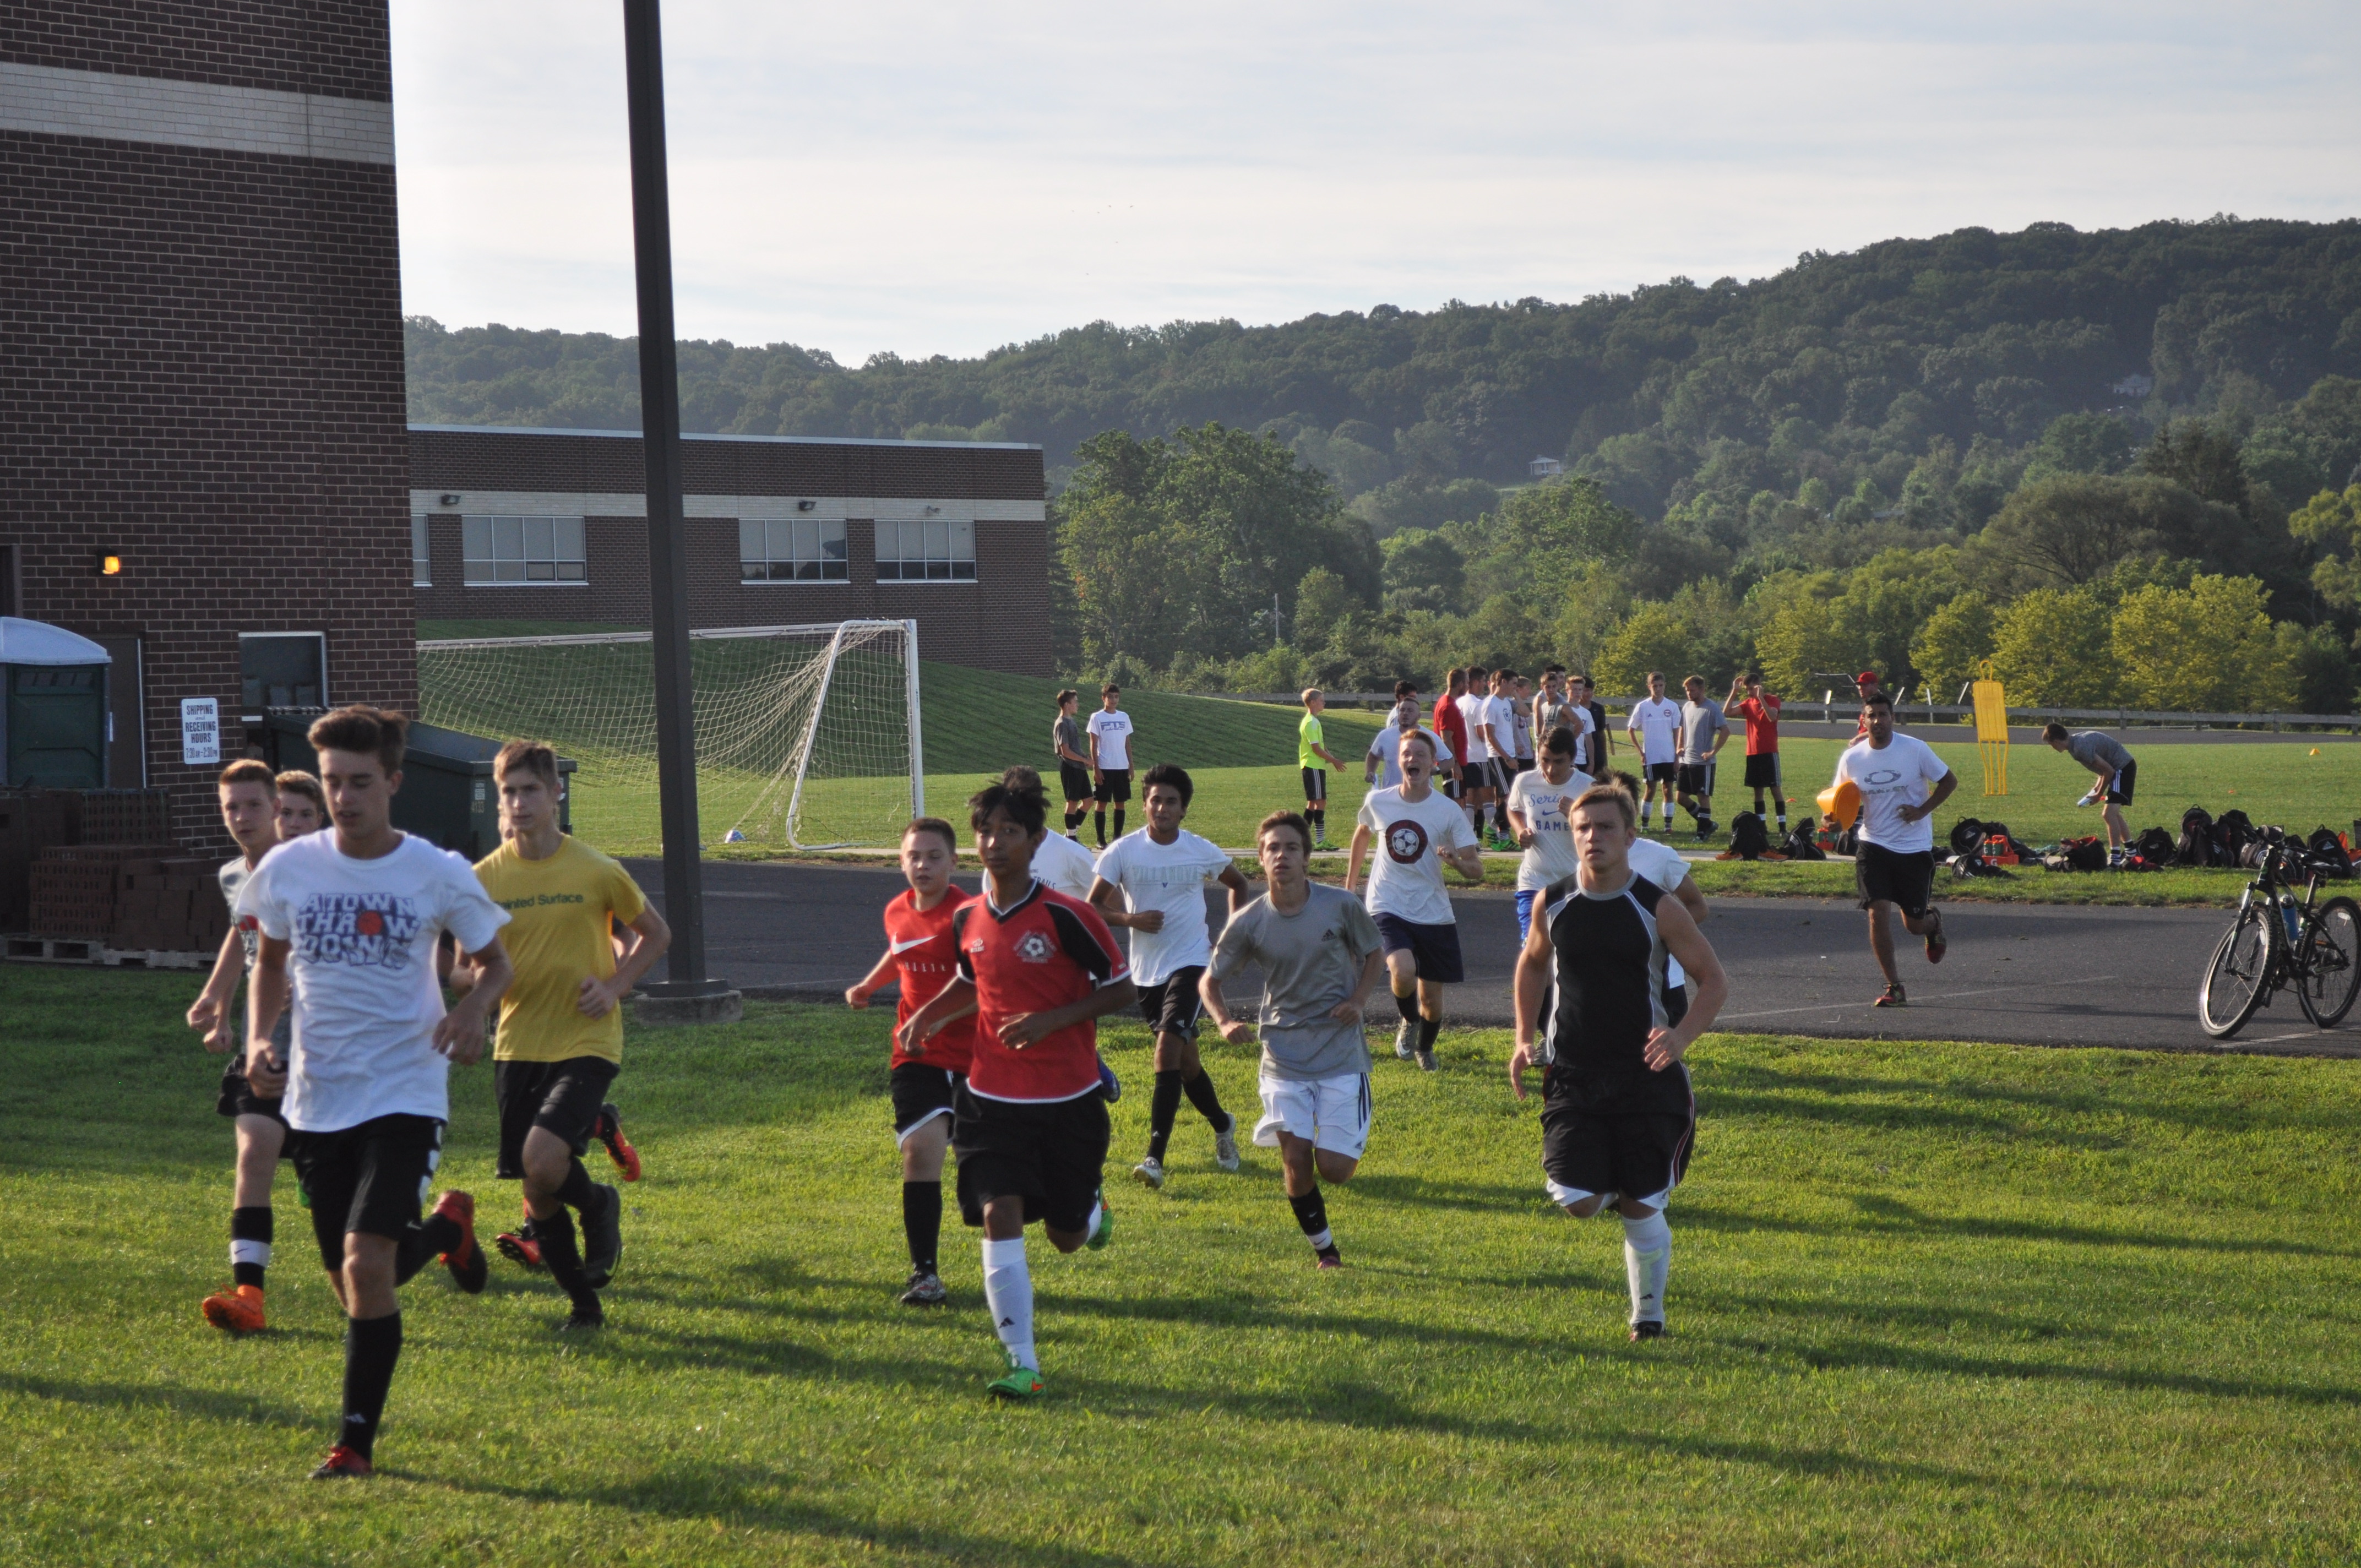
[
  {"x": 2155, "y": 847},
  {"x": 1968, "y": 835},
  {"x": 2326, "y": 852},
  {"x": 1802, "y": 845},
  {"x": 1748, "y": 840},
  {"x": 2196, "y": 846},
  {"x": 2085, "y": 854},
  {"x": 2233, "y": 831},
  {"x": 1849, "y": 842}
]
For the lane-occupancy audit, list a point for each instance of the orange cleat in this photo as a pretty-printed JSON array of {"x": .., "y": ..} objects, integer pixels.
[
  {"x": 468, "y": 1267},
  {"x": 237, "y": 1311},
  {"x": 521, "y": 1246},
  {"x": 342, "y": 1465},
  {"x": 609, "y": 1130}
]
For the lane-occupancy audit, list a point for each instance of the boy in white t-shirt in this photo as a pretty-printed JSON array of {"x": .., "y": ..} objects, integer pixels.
[
  {"x": 350, "y": 919},
  {"x": 1415, "y": 830},
  {"x": 1654, "y": 727},
  {"x": 1475, "y": 786},
  {"x": 1902, "y": 781},
  {"x": 1109, "y": 736},
  {"x": 1154, "y": 882}
]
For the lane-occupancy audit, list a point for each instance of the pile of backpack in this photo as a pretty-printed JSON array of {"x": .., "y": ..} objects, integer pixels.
[
  {"x": 1749, "y": 839},
  {"x": 2233, "y": 839},
  {"x": 1978, "y": 847}
]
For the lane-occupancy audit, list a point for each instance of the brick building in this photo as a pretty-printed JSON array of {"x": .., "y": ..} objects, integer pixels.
[{"x": 552, "y": 525}]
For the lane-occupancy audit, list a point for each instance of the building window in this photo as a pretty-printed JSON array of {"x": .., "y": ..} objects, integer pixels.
[
  {"x": 937, "y": 551},
  {"x": 801, "y": 551},
  {"x": 422, "y": 565},
  {"x": 282, "y": 669},
  {"x": 502, "y": 550}
]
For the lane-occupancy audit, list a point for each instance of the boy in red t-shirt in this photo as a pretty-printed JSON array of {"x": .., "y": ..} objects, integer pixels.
[
  {"x": 1030, "y": 1126},
  {"x": 922, "y": 955},
  {"x": 1452, "y": 724},
  {"x": 1761, "y": 711}
]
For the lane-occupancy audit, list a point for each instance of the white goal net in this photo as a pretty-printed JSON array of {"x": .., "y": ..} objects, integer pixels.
[{"x": 807, "y": 736}]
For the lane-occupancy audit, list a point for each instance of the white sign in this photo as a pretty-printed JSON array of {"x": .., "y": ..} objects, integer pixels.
[{"x": 200, "y": 730}]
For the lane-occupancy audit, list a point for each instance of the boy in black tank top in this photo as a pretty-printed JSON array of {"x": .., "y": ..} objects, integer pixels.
[{"x": 1618, "y": 1119}]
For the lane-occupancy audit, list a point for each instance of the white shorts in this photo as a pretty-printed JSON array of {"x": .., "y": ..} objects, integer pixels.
[{"x": 1331, "y": 1113}]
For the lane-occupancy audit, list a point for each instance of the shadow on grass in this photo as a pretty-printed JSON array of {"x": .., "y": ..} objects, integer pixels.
[
  {"x": 1889, "y": 1216},
  {"x": 202, "y": 1404}
]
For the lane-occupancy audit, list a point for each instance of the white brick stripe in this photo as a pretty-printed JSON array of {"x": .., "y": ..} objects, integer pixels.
[
  {"x": 825, "y": 509},
  {"x": 116, "y": 107}
]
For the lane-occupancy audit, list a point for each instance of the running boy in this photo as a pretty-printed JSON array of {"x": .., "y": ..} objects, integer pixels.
[
  {"x": 1321, "y": 956},
  {"x": 1415, "y": 830},
  {"x": 1761, "y": 711},
  {"x": 922, "y": 957},
  {"x": 1109, "y": 731},
  {"x": 1030, "y": 1127},
  {"x": 1066, "y": 739},
  {"x": 1654, "y": 727},
  {"x": 1154, "y": 882},
  {"x": 561, "y": 1032},
  {"x": 1540, "y": 807},
  {"x": 1313, "y": 757},
  {"x": 351, "y": 919}
]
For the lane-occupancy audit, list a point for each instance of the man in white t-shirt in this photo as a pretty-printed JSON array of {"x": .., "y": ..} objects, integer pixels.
[
  {"x": 1536, "y": 816},
  {"x": 1382, "y": 766},
  {"x": 1477, "y": 790},
  {"x": 1110, "y": 735},
  {"x": 1655, "y": 730},
  {"x": 1154, "y": 882},
  {"x": 1901, "y": 783},
  {"x": 1500, "y": 714},
  {"x": 351, "y": 919},
  {"x": 1414, "y": 831}
]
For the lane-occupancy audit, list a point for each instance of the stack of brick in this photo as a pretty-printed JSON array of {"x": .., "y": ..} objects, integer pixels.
[
  {"x": 76, "y": 889},
  {"x": 32, "y": 820},
  {"x": 168, "y": 905},
  {"x": 125, "y": 817}
]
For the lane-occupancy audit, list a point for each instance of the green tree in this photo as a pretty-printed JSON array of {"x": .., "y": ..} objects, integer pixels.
[
  {"x": 1654, "y": 637},
  {"x": 1799, "y": 642},
  {"x": 2052, "y": 649},
  {"x": 2208, "y": 648},
  {"x": 1886, "y": 600},
  {"x": 2328, "y": 520},
  {"x": 1953, "y": 643},
  {"x": 2200, "y": 459},
  {"x": 1552, "y": 531},
  {"x": 1423, "y": 570},
  {"x": 1322, "y": 601},
  {"x": 2081, "y": 444},
  {"x": 2073, "y": 528}
]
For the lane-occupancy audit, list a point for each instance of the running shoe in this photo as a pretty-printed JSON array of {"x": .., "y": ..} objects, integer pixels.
[
  {"x": 1019, "y": 1382},
  {"x": 1149, "y": 1173},
  {"x": 925, "y": 1289},
  {"x": 584, "y": 1320},
  {"x": 237, "y": 1309},
  {"x": 1938, "y": 944},
  {"x": 1105, "y": 1231},
  {"x": 1426, "y": 1061},
  {"x": 609, "y": 1130},
  {"x": 1647, "y": 1328},
  {"x": 1892, "y": 997},
  {"x": 603, "y": 1237},
  {"x": 1326, "y": 1258},
  {"x": 342, "y": 1463},
  {"x": 1225, "y": 1145},
  {"x": 1109, "y": 1086},
  {"x": 521, "y": 1246},
  {"x": 1406, "y": 1040},
  {"x": 469, "y": 1268}
]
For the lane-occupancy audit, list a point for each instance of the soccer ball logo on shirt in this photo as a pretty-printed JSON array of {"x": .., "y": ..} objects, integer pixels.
[
  {"x": 1034, "y": 947},
  {"x": 1406, "y": 843}
]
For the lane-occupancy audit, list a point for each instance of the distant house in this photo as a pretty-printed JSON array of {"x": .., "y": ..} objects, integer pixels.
[
  {"x": 2135, "y": 386},
  {"x": 1546, "y": 467}
]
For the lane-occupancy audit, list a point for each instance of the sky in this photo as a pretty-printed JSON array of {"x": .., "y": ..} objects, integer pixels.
[{"x": 925, "y": 179}]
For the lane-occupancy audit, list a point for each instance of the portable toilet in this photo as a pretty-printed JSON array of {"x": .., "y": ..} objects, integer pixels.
[{"x": 53, "y": 717}]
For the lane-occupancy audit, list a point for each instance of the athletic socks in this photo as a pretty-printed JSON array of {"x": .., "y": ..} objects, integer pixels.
[
  {"x": 1008, "y": 1291},
  {"x": 1118, "y": 821},
  {"x": 1201, "y": 1094},
  {"x": 1163, "y": 1109},
  {"x": 577, "y": 1192},
  {"x": 372, "y": 1345},
  {"x": 922, "y": 1221},
  {"x": 1318, "y": 816},
  {"x": 1646, "y": 808},
  {"x": 249, "y": 1244},
  {"x": 1407, "y": 1006},
  {"x": 1098, "y": 826},
  {"x": 562, "y": 1253},
  {"x": 1427, "y": 1029},
  {"x": 1311, "y": 1214},
  {"x": 1647, "y": 1255},
  {"x": 421, "y": 1242}
]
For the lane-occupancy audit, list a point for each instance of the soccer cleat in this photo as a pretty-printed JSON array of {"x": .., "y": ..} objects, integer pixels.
[
  {"x": 468, "y": 1267},
  {"x": 342, "y": 1465},
  {"x": 609, "y": 1130},
  {"x": 1149, "y": 1173},
  {"x": 584, "y": 1320},
  {"x": 1405, "y": 1040},
  {"x": 237, "y": 1311},
  {"x": 1426, "y": 1061},
  {"x": 1647, "y": 1328},
  {"x": 925, "y": 1289},
  {"x": 1225, "y": 1145},
  {"x": 1326, "y": 1258},
  {"x": 1019, "y": 1382},
  {"x": 1894, "y": 997},
  {"x": 1109, "y": 1086},
  {"x": 1105, "y": 1231},
  {"x": 602, "y": 1238},
  {"x": 521, "y": 1246},
  {"x": 1938, "y": 944}
]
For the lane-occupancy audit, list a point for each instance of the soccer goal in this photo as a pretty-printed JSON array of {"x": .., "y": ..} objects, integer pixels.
[{"x": 807, "y": 736}]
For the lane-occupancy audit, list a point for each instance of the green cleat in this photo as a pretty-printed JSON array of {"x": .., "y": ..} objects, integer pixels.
[
  {"x": 1105, "y": 1232},
  {"x": 1019, "y": 1382}
]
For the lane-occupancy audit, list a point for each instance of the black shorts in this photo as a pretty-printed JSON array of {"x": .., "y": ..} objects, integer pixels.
[
  {"x": 1433, "y": 950},
  {"x": 1882, "y": 876},
  {"x": 922, "y": 1092},
  {"x": 1052, "y": 1155},
  {"x": 1173, "y": 1003},
  {"x": 563, "y": 1096},
  {"x": 2120, "y": 791},
  {"x": 1076, "y": 779},
  {"x": 1694, "y": 778},
  {"x": 1659, "y": 773},
  {"x": 1315, "y": 785},
  {"x": 237, "y": 1097},
  {"x": 1763, "y": 772},
  {"x": 1633, "y": 1138},
  {"x": 370, "y": 1179},
  {"x": 1114, "y": 784}
]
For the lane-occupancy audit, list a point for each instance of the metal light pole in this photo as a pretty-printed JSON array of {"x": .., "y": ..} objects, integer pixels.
[{"x": 683, "y": 876}]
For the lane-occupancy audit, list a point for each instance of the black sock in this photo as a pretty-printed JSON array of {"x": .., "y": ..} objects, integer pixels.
[
  {"x": 1098, "y": 825},
  {"x": 577, "y": 1192},
  {"x": 922, "y": 1221},
  {"x": 1118, "y": 821},
  {"x": 249, "y": 1224},
  {"x": 421, "y": 1242},
  {"x": 1163, "y": 1109},
  {"x": 1208, "y": 1102},
  {"x": 1427, "y": 1029},
  {"x": 1319, "y": 816},
  {"x": 1311, "y": 1214},
  {"x": 563, "y": 1254},
  {"x": 372, "y": 1345},
  {"x": 1407, "y": 1006}
]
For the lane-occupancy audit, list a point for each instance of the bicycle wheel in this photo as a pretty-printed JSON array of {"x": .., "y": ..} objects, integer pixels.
[
  {"x": 2237, "y": 980},
  {"x": 2328, "y": 966}
]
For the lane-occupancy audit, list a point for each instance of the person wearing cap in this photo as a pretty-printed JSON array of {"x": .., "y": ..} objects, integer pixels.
[{"x": 1901, "y": 780}]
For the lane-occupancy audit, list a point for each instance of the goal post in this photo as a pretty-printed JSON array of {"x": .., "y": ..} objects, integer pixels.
[{"x": 807, "y": 736}]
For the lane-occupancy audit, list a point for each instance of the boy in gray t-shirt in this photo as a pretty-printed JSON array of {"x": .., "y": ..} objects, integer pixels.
[
  {"x": 2105, "y": 756},
  {"x": 1321, "y": 956}
]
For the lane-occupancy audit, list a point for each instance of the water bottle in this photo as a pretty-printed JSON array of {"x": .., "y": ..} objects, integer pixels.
[{"x": 2287, "y": 914}]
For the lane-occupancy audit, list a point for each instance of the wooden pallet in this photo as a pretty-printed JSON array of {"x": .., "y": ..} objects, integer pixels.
[{"x": 97, "y": 954}]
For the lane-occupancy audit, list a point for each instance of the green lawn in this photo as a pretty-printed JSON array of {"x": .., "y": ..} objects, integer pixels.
[{"x": 1930, "y": 1304}]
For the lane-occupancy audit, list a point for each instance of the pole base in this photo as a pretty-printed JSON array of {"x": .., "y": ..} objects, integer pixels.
[{"x": 666, "y": 1003}]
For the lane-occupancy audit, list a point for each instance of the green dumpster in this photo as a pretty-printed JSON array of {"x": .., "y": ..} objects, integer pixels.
[{"x": 448, "y": 796}]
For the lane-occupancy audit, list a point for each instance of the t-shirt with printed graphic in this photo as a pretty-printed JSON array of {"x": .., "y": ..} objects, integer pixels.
[
  {"x": 1044, "y": 951},
  {"x": 1543, "y": 807},
  {"x": 362, "y": 937},
  {"x": 1656, "y": 720},
  {"x": 1405, "y": 869},
  {"x": 1171, "y": 878},
  {"x": 1901, "y": 772},
  {"x": 562, "y": 911},
  {"x": 925, "y": 951},
  {"x": 1112, "y": 732}
]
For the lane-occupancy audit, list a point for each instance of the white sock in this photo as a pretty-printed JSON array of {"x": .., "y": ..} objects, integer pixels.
[
  {"x": 1647, "y": 1255},
  {"x": 1008, "y": 1291},
  {"x": 249, "y": 1252},
  {"x": 1091, "y": 1226}
]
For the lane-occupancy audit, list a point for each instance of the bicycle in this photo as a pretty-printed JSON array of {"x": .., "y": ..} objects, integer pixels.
[{"x": 2279, "y": 940}]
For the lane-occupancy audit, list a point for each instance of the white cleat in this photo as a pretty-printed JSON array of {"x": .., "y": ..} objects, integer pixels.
[
  {"x": 1149, "y": 1173},
  {"x": 1225, "y": 1145},
  {"x": 1406, "y": 1040}
]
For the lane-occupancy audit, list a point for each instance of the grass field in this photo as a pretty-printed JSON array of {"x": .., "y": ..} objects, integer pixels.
[{"x": 1930, "y": 1304}]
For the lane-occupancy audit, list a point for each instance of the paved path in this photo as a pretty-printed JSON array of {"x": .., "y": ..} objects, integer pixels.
[{"x": 2033, "y": 974}]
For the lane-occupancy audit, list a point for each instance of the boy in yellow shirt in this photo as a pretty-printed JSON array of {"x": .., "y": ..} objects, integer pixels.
[{"x": 561, "y": 1028}]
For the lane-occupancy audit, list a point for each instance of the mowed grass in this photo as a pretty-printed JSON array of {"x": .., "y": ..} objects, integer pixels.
[{"x": 1930, "y": 1304}]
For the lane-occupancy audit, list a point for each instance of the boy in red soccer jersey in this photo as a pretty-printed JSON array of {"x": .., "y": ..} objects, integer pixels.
[
  {"x": 1030, "y": 1127},
  {"x": 922, "y": 955}
]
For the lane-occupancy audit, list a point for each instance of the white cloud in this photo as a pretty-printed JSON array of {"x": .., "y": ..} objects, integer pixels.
[{"x": 933, "y": 179}]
